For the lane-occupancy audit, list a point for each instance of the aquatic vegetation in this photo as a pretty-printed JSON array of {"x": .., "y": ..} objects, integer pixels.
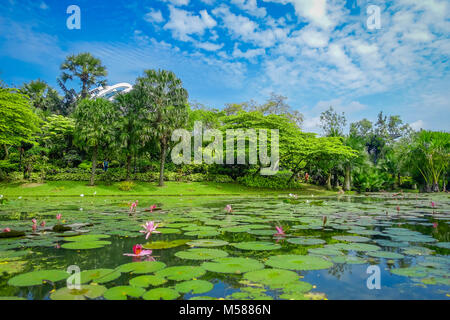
[
  {"x": 149, "y": 228},
  {"x": 237, "y": 251}
]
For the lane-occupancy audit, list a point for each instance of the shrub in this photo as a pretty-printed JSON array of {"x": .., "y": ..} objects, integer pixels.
[
  {"x": 126, "y": 185},
  {"x": 277, "y": 181}
]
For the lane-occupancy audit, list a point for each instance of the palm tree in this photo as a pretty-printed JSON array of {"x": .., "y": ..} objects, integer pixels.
[
  {"x": 95, "y": 122},
  {"x": 133, "y": 129},
  {"x": 86, "y": 68},
  {"x": 166, "y": 100}
]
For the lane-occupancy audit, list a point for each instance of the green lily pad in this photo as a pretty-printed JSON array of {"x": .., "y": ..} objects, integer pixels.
[
  {"x": 99, "y": 275},
  {"x": 297, "y": 287},
  {"x": 35, "y": 278},
  {"x": 141, "y": 267},
  {"x": 261, "y": 232},
  {"x": 275, "y": 278},
  {"x": 348, "y": 260},
  {"x": 202, "y": 233},
  {"x": 235, "y": 229},
  {"x": 298, "y": 262},
  {"x": 233, "y": 265},
  {"x": 12, "y": 266},
  {"x": 87, "y": 237},
  {"x": 165, "y": 244},
  {"x": 351, "y": 238},
  {"x": 168, "y": 230},
  {"x": 207, "y": 243},
  {"x": 194, "y": 286},
  {"x": 306, "y": 241},
  {"x": 161, "y": 294},
  {"x": 361, "y": 247},
  {"x": 85, "y": 245},
  {"x": 201, "y": 254},
  {"x": 148, "y": 280},
  {"x": 386, "y": 255},
  {"x": 256, "y": 245},
  {"x": 416, "y": 272},
  {"x": 445, "y": 245},
  {"x": 85, "y": 292},
  {"x": 123, "y": 292},
  {"x": 181, "y": 273},
  {"x": 325, "y": 251}
]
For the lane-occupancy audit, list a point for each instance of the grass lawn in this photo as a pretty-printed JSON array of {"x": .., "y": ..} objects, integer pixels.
[{"x": 75, "y": 188}]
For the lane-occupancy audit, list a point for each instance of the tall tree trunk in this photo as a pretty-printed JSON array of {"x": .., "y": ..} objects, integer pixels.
[
  {"x": 329, "y": 181},
  {"x": 94, "y": 165},
  {"x": 347, "y": 184},
  {"x": 435, "y": 187},
  {"x": 444, "y": 183},
  {"x": 399, "y": 179},
  {"x": 6, "y": 152},
  {"x": 162, "y": 162},
  {"x": 128, "y": 166}
]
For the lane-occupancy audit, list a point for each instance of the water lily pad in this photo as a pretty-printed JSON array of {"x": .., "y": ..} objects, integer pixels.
[
  {"x": 235, "y": 229},
  {"x": 351, "y": 238},
  {"x": 35, "y": 278},
  {"x": 181, "y": 273},
  {"x": 161, "y": 294},
  {"x": 87, "y": 237},
  {"x": 141, "y": 267},
  {"x": 123, "y": 292},
  {"x": 168, "y": 230},
  {"x": 207, "y": 243},
  {"x": 12, "y": 266},
  {"x": 85, "y": 292},
  {"x": 99, "y": 275},
  {"x": 386, "y": 255},
  {"x": 362, "y": 247},
  {"x": 262, "y": 232},
  {"x": 202, "y": 233},
  {"x": 348, "y": 260},
  {"x": 306, "y": 241},
  {"x": 325, "y": 251},
  {"x": 148, "y": 280},
  {"x": 256, "y": 245},
  {"x": 233, "y": 265},
  {"x": 298, "y": 262},
  {"x": 201, "y": 254},
  {"x": 445, "y": 245},
  {"x": 271, "y": 277},
  {"x": 416, "y": 272},
  {"x": 85, "y": 245},
  {"x": 165, "y": 244},
  {"x": 194, "y": 286}
]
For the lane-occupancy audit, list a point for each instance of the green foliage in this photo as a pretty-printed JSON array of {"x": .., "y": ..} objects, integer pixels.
[
  {"x": 18, "y": 123},
  {"x": 126, "y": 185},
  {"x": 278, "y": 181}
]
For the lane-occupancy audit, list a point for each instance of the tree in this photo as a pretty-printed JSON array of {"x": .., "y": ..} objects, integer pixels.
[
  {"x": 133, "y": 129},
  {"x": 18, "y": 122},
  {"x": 57, "y": 135},
  {"x": 332, "y": 123},
  {"x": 430, "y": 156},
  {"x": 42, "y": 96},
  {"x": 95, "y": 127},
  {"x": 166, "y": 100},
  {"x": 87, "y": 69}
]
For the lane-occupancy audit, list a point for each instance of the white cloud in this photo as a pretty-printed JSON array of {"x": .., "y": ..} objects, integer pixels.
[
  {"x": 43, "y": 6},
  {"x": 209, "y": 46},
  {"x": 183, "y": 23},
  {"x": 154, "y": 16},
  {"x": 177, "y": 2},
  {"x": 250, "y": 54},
  {"x": 419, "y": 124},
  {"x": 247, "y": 30},
  {"x": 251, "y": 7}
]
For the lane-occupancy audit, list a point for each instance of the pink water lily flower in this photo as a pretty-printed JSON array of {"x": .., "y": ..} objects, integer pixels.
[
  {"x": 58, "y": 216},
  {"x": 138, "y": 252},
  {"x": 7, "y": 230},
  {"x": 433, "y": 204},
  {"x": 435, "y": 225},
  {"x": 34, "y": 221},
  {"x": 149, "y": 228},
  {"x": 43, "y": 224},
  {"x": 280, "y": 231},
  {"x": 228, "y": 208},
  {"x": 133, "y": 206},
  {"x": 34, "y": 227}
]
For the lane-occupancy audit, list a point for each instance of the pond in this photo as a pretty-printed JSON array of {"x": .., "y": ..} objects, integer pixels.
[{"x": 381, "y": 246}]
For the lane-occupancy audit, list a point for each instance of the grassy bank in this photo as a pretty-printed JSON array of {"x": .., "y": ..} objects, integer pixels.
[{"x": 72, "y": 188}]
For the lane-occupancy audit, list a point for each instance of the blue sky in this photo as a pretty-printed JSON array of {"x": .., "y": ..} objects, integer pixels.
[{"x": 317, "y": 53}]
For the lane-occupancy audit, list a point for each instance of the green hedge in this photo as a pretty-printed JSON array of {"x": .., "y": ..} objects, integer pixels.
[
  {"x": 117, "y": 175},
  {"x": 278, "y": 181}
]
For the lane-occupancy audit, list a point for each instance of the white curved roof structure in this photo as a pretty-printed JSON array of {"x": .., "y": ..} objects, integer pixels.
[{"x": 109, "y": 92}]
